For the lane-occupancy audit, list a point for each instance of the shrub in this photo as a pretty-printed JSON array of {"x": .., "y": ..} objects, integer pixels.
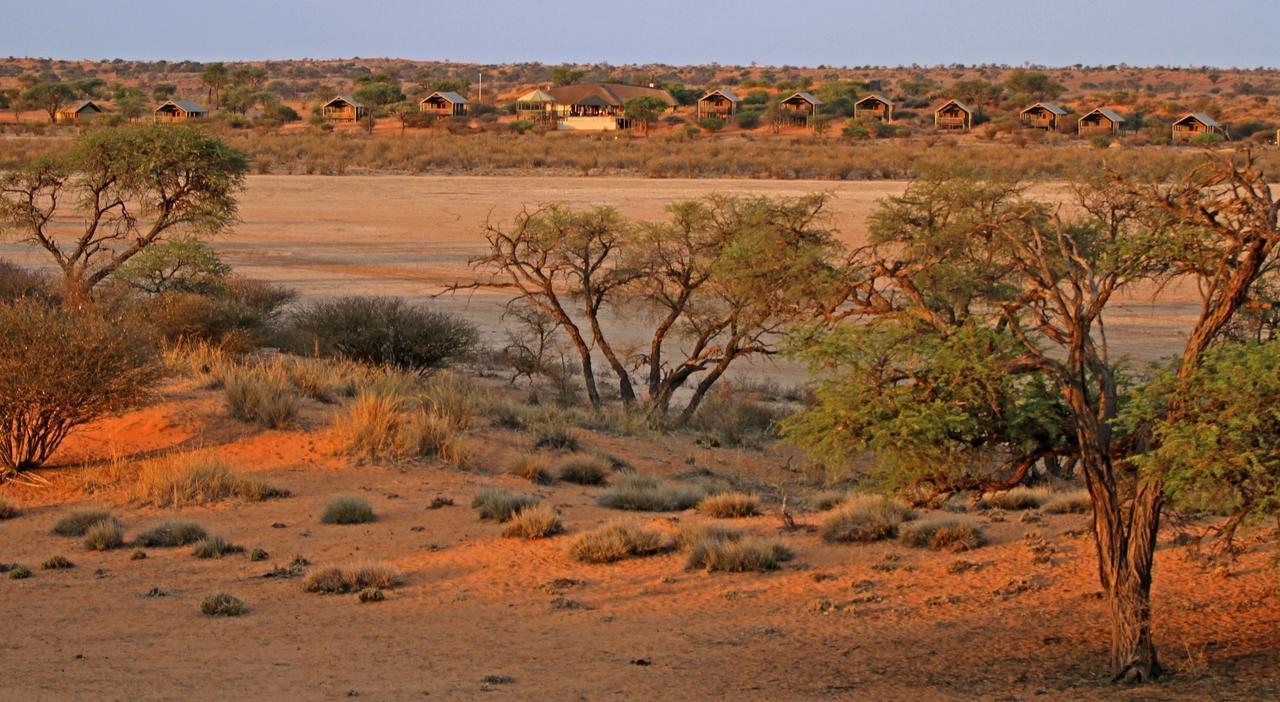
[
  {"x": 57, "y": 563},
  {"x": 738, "y": 556},
  {"x": 535, "y": 522},
  {"x": 731, "y": 416},
  {"x": 1017, "y": 498},
  {"x": 711, "y": 124},
  {"x": 19, "y": 572},
  {"x": 729, "y": 505},
  {"x": 258, "y": 555},
  {"x": 380, "y": 330},
  {"x": 8, "y": 510},
  {"x": 78, "y": 522},
  {"x": 347, "y": 510},
  {"x": 1074, "y": 502},
  {"x": 865, "y": 518},
  {"x": 941, "y": 535},
  {"x": 104, "y": 536},
  {"x": 616, "y": 541},
  {"x": 221, "y": 604},
  {"x": 371, "y": 594},
  {"x": 261, "y": 395},
  {"x": 353, "y": 578},
  {"x": 214, "y": 547},
  {"x": 61, "y": 368},
  {"x": 644, "y": 493},
  {"x": 185, "y": 265},
  {"x": 171, "y": 535},
  {"x": 198, "y": 478},
  {"x": 556, "y": 436},
  {"x": 748, "y": 120},
  {"x": 584, "y": 470},
  {"x": 692, "y": 534},
  {"x": 531, "y": 467},
  {"x": 500, "y": 505},
  {"x": 18, "y": 282},
  {"x": 237, "y": 316},
  {"x": 1208, "y": 139},
  {"x": 828, "y": 499}
]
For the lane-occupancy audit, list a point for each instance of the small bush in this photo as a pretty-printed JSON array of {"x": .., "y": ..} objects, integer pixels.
[
  {"x": 531, "y": 467},
  {"x": 17, "y": 282},
  {"x": 737, "y": 556},
  {"x": 828, "y": 499},
  {"x": 104, "y": 536},
  {"x": 942, "y": 535},
  {"x": 214, "y": 547},
  {"x": 384, "y": 331},
  {"x": 353, "y": 578},
  {"x": 1017, "y": 498},
  {"x": 616, "y": 541},
  {"x": 262, "y": 395},
  {"x": 729, "y": 505},
  {"x": 198, "y": 478},
  {"x": 19, "y": 572},
  {"x": 644, "y": 493},
  {"x": 496, "y": 504},
  {"x": 865, "y": 518},
  {"x": 77, "y": 522},
  {"x": 171, "y": 535},
  {"x": 57, "y": 563},
  {"x": 347, "y": 510},
  {"x": 371, "y": 594},
  {"x": 692, "y": 534},
  {"x": 222, "y": 604},
  {"x": 556, "y": 436},
  {"x": 1074, "y": 502},
  {"x": 8, "y": 510},
  {"x": 258, "y": 555},
  {"x": 584, "y": 470},
  {"x": 534, "y": 522}
]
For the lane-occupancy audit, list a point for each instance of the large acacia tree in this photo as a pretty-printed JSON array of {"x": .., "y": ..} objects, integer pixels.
[
  {"x": 975, "y": 345},
  {"x": 118, "y": 191}
]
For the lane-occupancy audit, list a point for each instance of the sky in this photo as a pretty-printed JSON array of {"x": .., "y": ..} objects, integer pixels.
[{"x": 1222, "y": 33}]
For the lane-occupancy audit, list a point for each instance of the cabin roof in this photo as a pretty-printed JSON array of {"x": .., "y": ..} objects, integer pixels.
[
  {"x": 345, "y": 98},
  {"x": 1051, "y": 107},
  {"x": 536, "y": 96},
  {"x": 603, "y": 94},
  {"x": 184, "y": 105},
  {"x": 1105, "y": 112},
  {"x": 957, "y": 103},
  {"x": 1200, "y": 117},
  {"x": 807, "y": 97},
  {"x": 874, "y": 96},
  {"x": 78, "y": 107},
  {"x": 727, "y": 94},
  {"x": 448, "y": 96}
]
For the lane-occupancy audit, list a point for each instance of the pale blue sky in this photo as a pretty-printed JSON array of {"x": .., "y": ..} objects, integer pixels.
[{"x": 1223, "y": 33}]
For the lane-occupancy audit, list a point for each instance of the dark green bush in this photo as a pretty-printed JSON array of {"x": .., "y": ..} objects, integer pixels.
[{"x": 381, "y": 330}]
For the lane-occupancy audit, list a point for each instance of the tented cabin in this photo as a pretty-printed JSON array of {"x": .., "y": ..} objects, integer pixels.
[
  {"x": 1195, "y": 124},
  {"x": 953, "y": 114},
  {"x": 83, "y": 111},
  {"x": 446, "y": 104},
  {"x": 874, "y": 106},
  {"x": 719, "y": 104},
  {"x": 587, "y": 106},
  {"x": 1099, "y": 121},
  {"x": 178, "y": 111},
  {"x": 1042, "y": 115},
  {"x": 343, "y": 108},
  {"x": 800, "y": 108}
]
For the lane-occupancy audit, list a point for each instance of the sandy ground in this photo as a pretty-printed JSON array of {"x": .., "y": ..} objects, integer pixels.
[{"x": 867, "y": 622}]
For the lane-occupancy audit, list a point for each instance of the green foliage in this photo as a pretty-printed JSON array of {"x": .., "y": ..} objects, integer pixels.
[
  {"x": 184, "y": 265},
  {"x": 644, "y": 110},
  {"x": 49, "y": 97},
  {"x": 1037, "y": 85},
  {"x": 711, "y": 124},
  {"x": 347, "y": 510},
  {"x": 747, "y": 119},
  {"x": 381, "y": 331},
  {"x": 563, "y": 75},
  {"x": 1208, "y": 139},
  {"x": 379, "y": 94}
]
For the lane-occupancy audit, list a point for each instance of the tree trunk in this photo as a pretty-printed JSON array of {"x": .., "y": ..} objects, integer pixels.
[{"x": 1133, "y": 653}]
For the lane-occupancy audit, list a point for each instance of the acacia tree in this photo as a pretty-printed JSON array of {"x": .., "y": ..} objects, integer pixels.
[
  {"x": 953, "y": 261},
  {"x": 215, "y": 77},
  {"x": 49, "y": 97},
  {"x": 131, "y": 187},
  {"x": 644, "y": 110}
]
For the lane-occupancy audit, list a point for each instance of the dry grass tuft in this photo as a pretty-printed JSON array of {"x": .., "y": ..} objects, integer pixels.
[
  {"x": 214, "y": 547},
  {"x": 584, "y": 470},
  {"x": 57, "y": 563},
  {"x": 222, "y": 604},
  {"x": 351, "y": 578},
  {"x": 616, "y": 541},
  {"x": 104, "y": 536},
  {"x": 382, "y": 425},
  {"x": 500, "y": 505},
  {"x": 555, "y": 435},
  {"x": 738, "y": 555},
  {"x": 692, "y": 534},
  {"x": 1073, "y": 502},
  {"x": 262, "y": 395},
  {"x": 17, "y": 571},
  {"x": 1018, "y": 498},
  {"x": 862, "y": 518},
  {"x": 78, "y": 522},
  {"x": 729, "y": 505},
  {"x": 198, "y": 478},
  {"x": 531, "y": 467},
  {"x": 645, "y": 493},
  {"x": 171, "y": 535},
  {"x": 347, "y": 510},
  {"x": 371, "y": 594},
  {"x": 534, "y": 522},
  {"x": 941, "y": 535}
]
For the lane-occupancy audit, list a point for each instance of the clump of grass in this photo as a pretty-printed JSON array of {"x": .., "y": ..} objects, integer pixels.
[
  {"x": 198, "y": 478},
  {"x": 371, "y": 594},
  {"x": 1073, "y": 502},
  {"x": 138, "y": 555},
  {"x": 942, "y": 535},
  {"x": 828, "y": 499},
  {"x": 645, "y": 493},
  {"x": 261, "y": 395},
  {"x": 500, "y": 505},
  {"x": 353, "y": 578},
  {"x": 258, "y": 555},
  {"x": 387, "y": 426},
  {"x": 17, "y": 571},
  {"x": 171, "y": 534},
  {"x": 506, "y": 414},
  {"x": 584, "y": 470},
  {"x": 697, "y": 532},
  {"x": 556, "y": 436},
  {"x": 78, "y": 522},
  {"x": 104, "y": 536},
  {"x": 729, "y": 505},
  {"x": 8, "y": 510},
  {"x": 1018, "y": 498},
  {"x": 57, "y": 563},
  {"x": 214, "y": 547},
  {"x": 452, "y": 397},
  {"x": 534, "y": 522},
  {"x": 221, "y": 604},
  {"x": 347, "y": 510},
  {"x": 531, "y": 467},
  {"x": 738, "y": 555},
  {"x": 862, "y": 518},
  {"x": 616, "y": 541}
]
